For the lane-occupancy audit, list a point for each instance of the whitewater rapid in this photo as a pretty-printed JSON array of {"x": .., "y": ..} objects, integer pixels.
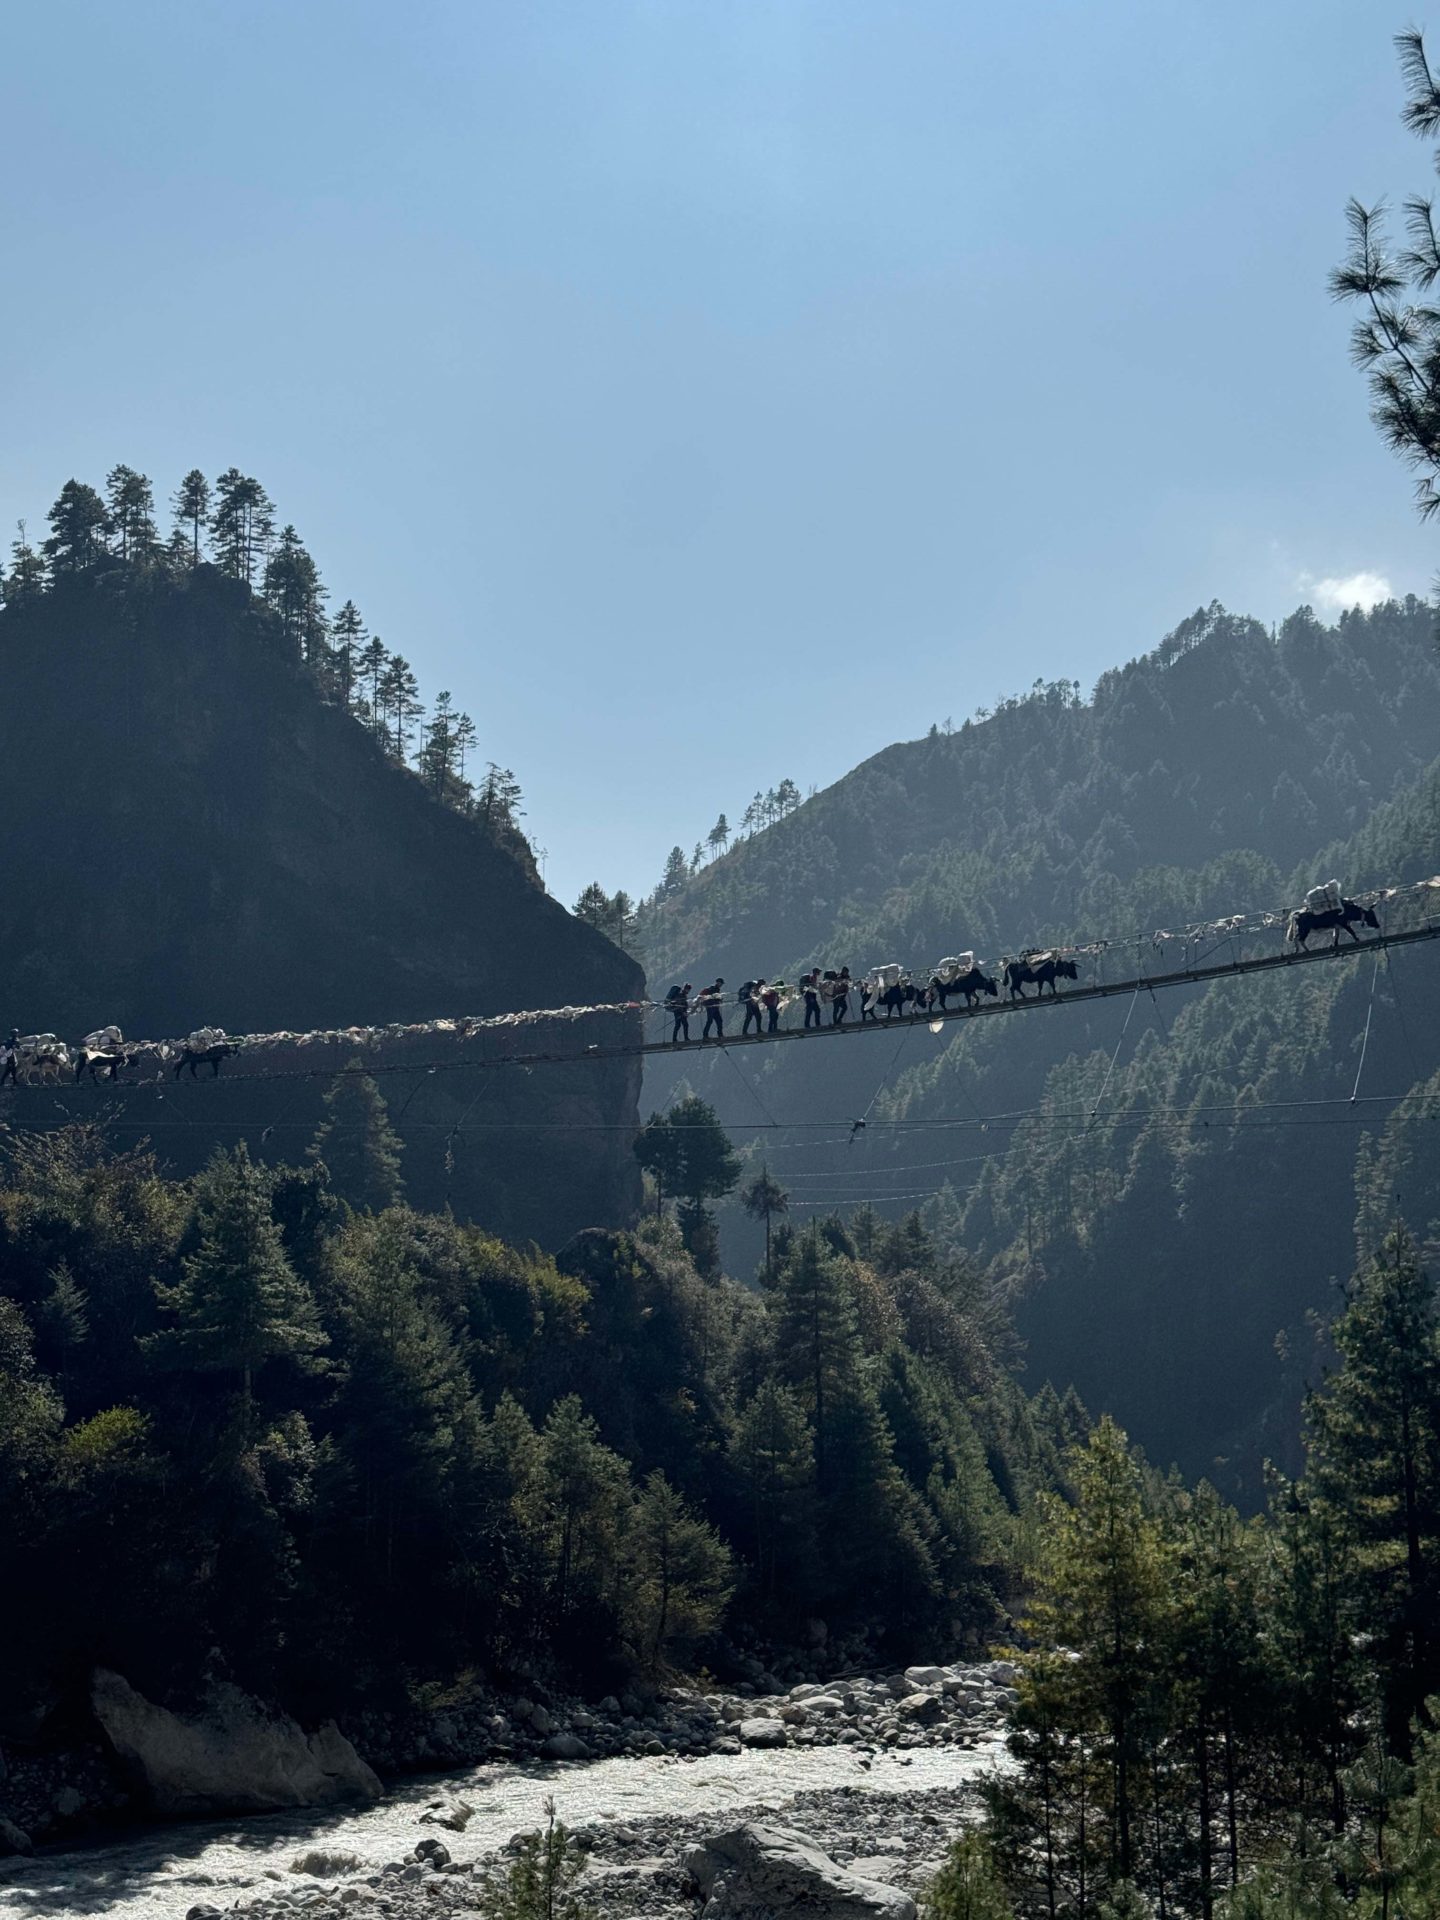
[{"x": 161, "y": 1873}]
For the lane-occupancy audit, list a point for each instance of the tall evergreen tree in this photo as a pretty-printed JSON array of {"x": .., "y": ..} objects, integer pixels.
[
  {"x": 239, "y": 1303},
  {"x": 680, "y": 1573},
  {"x": 357, "y": 1144},
  {"x": 676, "y": 871},
  {"x": 79, "y": 523},
  {"x": 191, "y": 507},
  {"x": 242, "y": 524},
  {"x": 372, "y": 666},
  {"x": 399, "y": 696},
  {"x": 347, "y": 640},
  {"x": 26, "y": 578},
  {"x": 1374, "y": 1433},
  {"x": 765, "y": 1199},
  {"x": 292, "y": 589},
  {"x": 132, "y": 514},
  {"x": 498, "y": 801}
]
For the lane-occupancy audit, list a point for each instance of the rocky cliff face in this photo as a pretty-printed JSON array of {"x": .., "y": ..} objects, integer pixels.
[{"x": 191, "y": 836}]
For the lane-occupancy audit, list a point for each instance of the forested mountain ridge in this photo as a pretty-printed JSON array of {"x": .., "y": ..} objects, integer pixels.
[
  {"x": 197, "y": 835},
  {"x": 1022, "y": 824},
  {"x": 1152, "y": 1261}
]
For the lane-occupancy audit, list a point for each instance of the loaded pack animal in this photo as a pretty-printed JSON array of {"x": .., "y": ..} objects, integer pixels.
[
  {"x": 971, "y": 984},
  {"x": 34, "y": 1059},
  {"x": 211, "y": 1056},
  {"x": 1343, "y": 919},
  {"x": 102, "y": 1063},
  {"x": 1038, "y": 970},
  {"x": 896, "y": 999}
]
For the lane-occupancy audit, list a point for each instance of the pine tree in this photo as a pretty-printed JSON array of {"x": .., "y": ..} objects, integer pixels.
[
  {"x": 357, "y": 1144},
  {"x": 292, "y": 589},
  {"x": 773, "y": 1453},
  {"x": 79, "y": 523},
  {"x": 968, "y": 1885},
  {"x": 540, "y": 1884},
  {"x": 191, "y": 507},
  {"x": 765, "y": 1199},
  {"x": 399, "y": 697},
  {"x": 239, "y": 1303},
  {"x": 676, "y": 872},
  {"x": 697, "y": 858},
  {"x": 370, "y": 671},
  {"x": 26, "y": 578},
  {"x": 719, "y": 836},
  {"x": 680, "y": 1573},
  {"x": 587, "y": 1499},
  {"x": 440, "y": 753},
  {"x": 1102, "y": 1597},
  {"x": 132, "y": 514},
  {"x": 1374, "y": 1458},
  {"x": 498, "y": 802},
  {"x": 465, "y": 737},
  {"x": 242, "y": 525},
  {"x": 347, "y": 637}
]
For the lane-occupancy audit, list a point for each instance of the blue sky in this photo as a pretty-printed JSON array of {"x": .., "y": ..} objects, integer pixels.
[{"x": 709, "y": 393}]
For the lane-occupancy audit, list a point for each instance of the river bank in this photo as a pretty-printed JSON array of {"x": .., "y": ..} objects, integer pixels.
[{"x": 862, "y": 1774}]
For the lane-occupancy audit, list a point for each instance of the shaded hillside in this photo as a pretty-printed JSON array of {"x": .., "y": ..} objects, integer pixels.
[
  {"x": 194, "y": 836},
  {"x": 1154, "y": 1267}
]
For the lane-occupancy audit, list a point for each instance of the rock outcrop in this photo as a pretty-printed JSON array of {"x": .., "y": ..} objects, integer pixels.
[
  {"x": 233, "y": 1757},
  {"x": 754, "y": 1872}
]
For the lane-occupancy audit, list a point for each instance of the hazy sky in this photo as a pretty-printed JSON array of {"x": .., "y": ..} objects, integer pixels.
[{"x": 708, "y": 393}]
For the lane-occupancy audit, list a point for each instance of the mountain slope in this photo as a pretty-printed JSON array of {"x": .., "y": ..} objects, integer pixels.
[
  {"x": 1155, "y": 1267},
  {"x": 192, "y": 836}
]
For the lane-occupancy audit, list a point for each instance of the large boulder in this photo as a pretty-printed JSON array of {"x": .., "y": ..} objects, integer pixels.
[
  {"x": 232, "y": 1757},
  {"x": 754, "y": 1872},
  {"x": 760, "y": 1732}
]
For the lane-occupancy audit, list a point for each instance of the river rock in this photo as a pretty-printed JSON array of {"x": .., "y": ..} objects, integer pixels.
[
  {"x": 925, "y": 1676},
  {"x": 762, "y": 1733},
  {"x": 13, "y": 1839},
  {"x": 754, "y": 1872},
  {"x": 325, "y": 1863},
  {"x": 453, "y": 1815},
  {"x": 565, "y": 1746},
  {"x": 920, "y": 1709},
  {"x": 233, "y": 1757}
]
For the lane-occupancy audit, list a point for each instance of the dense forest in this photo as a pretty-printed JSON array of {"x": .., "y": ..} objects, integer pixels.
[
  {"x": 273, "y": 1424},
  {"x": 1156, "y": 1243},
  {"x": 1226, "y": 1717}
]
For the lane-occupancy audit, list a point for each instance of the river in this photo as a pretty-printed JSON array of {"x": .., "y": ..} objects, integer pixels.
[{"x": 160, "y": 1873}]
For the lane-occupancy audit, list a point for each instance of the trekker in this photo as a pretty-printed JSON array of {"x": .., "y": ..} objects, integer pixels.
[
  {"x": 11, "y": 1068},
  {"x": 841, "y": 1003},
  {"x": 711, "y": 999},
  {"x": 770, "y": 1000},
  {"x": 810, "y": 987},
  {"x": 677, "y": 1005},
  {"x": 750, "y": 1000}
]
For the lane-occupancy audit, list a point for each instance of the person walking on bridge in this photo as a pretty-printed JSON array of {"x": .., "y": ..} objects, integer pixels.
[
  {"x": 840, "y": 1006},
  {"x": 677, "y": 1005},
  {"x": 750, "y": 995},
  {"x": 810, "y": 987},
  {"x": 712, "y": 999},
  {"x": 770, "y": 1000}
]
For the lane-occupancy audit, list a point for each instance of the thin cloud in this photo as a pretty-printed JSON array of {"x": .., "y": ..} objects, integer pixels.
[{"x": 1337, "y": 593}]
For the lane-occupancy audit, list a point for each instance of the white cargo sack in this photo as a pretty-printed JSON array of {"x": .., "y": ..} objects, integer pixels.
[
  {"x": 102, "y": 1040},
  {"x": 889, "y": 975},
  {"x": 205, "y": 1037},
  {"x": 951, "y": 968},
  {"x": 1324, "y": 899}
]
